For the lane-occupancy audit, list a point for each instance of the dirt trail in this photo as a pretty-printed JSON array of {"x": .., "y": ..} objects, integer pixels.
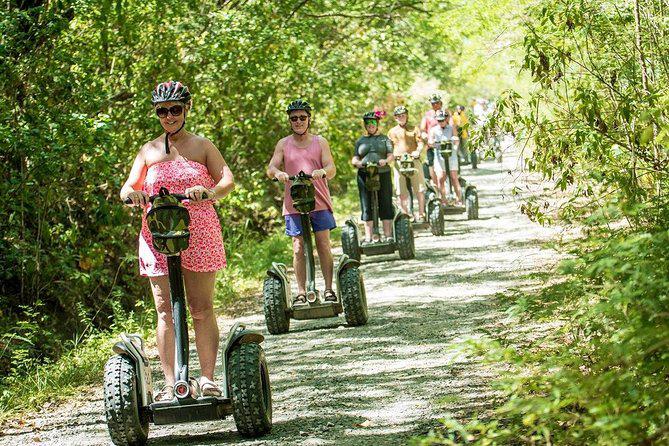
[{"x": 388, "y": 381}]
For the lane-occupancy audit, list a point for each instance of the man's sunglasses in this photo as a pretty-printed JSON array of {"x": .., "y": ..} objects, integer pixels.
[
  {"x": 174, "y": 110},
  {"x": 301, "y": 118}
]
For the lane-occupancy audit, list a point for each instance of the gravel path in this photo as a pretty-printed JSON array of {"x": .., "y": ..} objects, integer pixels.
[{"x": 394, "y": 378}]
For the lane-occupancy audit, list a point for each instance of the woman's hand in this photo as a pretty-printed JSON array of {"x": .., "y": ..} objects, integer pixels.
[
  {"x": 357, "y": 164},
  {"x": 195, "y": 193},
  {"x": 138, "y": 198},
  {"x": 382, "y": 163},
  {"x": 318, "y": 173}
]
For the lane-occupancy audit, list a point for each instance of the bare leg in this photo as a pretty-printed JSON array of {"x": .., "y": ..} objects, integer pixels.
[
  {"x": 200, "y": 295},
  {"x": 433, "y": 176},
  {"x": 369, "y": 229},
  {"x": 299, "y": 264},
  {"x": 421, "y": 204},
  {"x": 325, "y": 256},
  {"x": 404, "y": 203},
  {"x": 441, "y": 181},
  {"x": 160, "y": 287},
  {"x": 456, "y": 186},
  {"x": 387, "y": 228}
]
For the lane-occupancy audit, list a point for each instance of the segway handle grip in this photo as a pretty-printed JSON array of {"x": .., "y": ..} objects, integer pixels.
[{"x": 180, "y": 197}]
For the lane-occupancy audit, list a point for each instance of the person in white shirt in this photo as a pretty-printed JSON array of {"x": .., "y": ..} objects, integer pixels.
[{"x": 442, "y": 133}]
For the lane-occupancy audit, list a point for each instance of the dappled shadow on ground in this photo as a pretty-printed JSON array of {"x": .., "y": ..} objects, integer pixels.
[{"x": 392, "y": 379}]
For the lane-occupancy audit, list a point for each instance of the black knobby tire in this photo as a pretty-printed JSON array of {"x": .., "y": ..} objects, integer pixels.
[
  {"x": 349, "y": 242},
  {"x": 353, "y": 296},
  {"x": 275, "y": 307},
  {"x": 474, "y": 158},
  {"x": 128, "y": 425},
  {"x": 404, "y": 236},
  {"x": 248, "y": 378},
  {"x": 472, "y": 205},
  {"x": 436, "y": 217}
]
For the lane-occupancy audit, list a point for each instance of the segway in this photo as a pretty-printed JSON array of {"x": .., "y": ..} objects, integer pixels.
[
  {"x": 435, "y": 216},
  {"x": 469, "y": 194},
  {"x": 403, "y": 241},
  {"x": 278, "y": 303},
  {"x": 128, "y": 393}
]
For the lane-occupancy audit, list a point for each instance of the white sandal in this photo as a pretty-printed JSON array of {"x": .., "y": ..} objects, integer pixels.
[{"x": 209, "y": 387}]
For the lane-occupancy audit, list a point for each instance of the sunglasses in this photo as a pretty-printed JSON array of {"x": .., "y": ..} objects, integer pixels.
[
  {"x": 174, "y": 110},
  {"x": 301, "y": 118},
  {"x": 371, "y": 122}
]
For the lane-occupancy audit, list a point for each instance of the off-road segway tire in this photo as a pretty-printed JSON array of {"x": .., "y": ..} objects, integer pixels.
[
  {"x": 472, "y": 205},
  {"x": 248, "y": 378},
  {"x": 275, "y": 307},
  {"x": 436, "y": 217},
  {"x": 405, "y": 242},
  {"x": 349, "y": 242},
  {"x": 474, "y": 158},
  {"x": 353, "y": 296},
  {"x": 128, "y": 425}
]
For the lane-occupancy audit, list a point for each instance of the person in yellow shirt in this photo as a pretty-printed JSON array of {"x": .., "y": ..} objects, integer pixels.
[{"x": 460, "y": 120}]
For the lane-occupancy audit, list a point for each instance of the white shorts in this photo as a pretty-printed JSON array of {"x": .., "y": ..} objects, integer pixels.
[{"x": 440, "y": 162}]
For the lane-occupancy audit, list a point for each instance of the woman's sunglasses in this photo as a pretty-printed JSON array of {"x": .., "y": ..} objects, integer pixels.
[
  {"x": 301, "y": 118},
  {"x": 174, "y": 110},
  {"x": 371, "y": 122}
]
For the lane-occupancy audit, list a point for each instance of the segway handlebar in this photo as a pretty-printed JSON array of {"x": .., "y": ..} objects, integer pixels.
[
  {"x": 299, "y": 176},
  {"x": 180, "y": 197}
]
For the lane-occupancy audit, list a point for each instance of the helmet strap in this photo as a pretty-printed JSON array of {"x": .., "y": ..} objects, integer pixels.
[{"x": 167, "y": 136}]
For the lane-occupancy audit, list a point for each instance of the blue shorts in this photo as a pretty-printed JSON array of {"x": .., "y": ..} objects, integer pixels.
[{"x": 320, "y": 221}]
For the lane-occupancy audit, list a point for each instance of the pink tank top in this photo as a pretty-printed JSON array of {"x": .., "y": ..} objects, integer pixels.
[
  {"x": 296, "y": 159},
  {"x": 430, "y": 120}
]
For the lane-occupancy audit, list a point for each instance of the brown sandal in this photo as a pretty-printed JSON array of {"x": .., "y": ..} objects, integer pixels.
[
  {"x": 300, "y": 299},
  {"x": 329, "y": 295}
]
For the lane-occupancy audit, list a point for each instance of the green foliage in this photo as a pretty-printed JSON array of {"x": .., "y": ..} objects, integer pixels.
[
  {"x": 75, "y": 82},
  {"x": 601, "y": 378},
  {"x": 597, "y": 121}
]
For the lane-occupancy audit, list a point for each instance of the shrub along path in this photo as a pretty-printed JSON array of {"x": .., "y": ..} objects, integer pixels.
[{"x": 390, "y": 380}]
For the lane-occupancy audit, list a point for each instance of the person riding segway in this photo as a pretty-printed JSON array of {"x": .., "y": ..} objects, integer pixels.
[
  {"x": 180, "y": 246},
  {"x": 408, "y": 174},
  {"x": 307, "y": 206},
  {"x": 444, "y": 142},
  {"x": 372, "y": 156}
]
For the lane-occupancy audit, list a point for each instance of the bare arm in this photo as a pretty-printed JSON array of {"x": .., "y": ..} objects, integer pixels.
[
  {"x": 326, "y": 158},
  {"x": 132, "y": 188},
  {"x": 274, "y": 168},
  {"x": 420, "y": 145},
  {"x": 220, "y": 172},
  {"x": 423, "y": 127}
]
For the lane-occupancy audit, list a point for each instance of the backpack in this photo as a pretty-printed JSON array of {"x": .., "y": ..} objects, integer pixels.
[{"x": 168, "y": 221}]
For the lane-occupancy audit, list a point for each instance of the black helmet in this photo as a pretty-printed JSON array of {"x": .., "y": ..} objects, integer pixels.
[
  {"x": 369, "y": 116},
  {"x": 435, "y": 98},
  {"x": 171, "y": 91},
  {"x": 400, "y": 110},
  {"x": 440, "y": 115},
  {"x": 299, "y": 104}
]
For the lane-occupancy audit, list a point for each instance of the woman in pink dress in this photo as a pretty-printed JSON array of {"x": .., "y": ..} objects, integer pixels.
[{"x": 187, "y": 164}]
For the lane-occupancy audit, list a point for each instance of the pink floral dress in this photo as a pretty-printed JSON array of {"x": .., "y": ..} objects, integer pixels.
[{"x": 205, "y": 251}]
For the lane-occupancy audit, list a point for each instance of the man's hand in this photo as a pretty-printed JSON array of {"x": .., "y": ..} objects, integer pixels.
[
  {"x": 415, "y": 154},
  {"x": 318, "y": 173}
]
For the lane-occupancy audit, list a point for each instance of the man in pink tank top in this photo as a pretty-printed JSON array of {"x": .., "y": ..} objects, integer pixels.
[{"x": 303, "y": 151}]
